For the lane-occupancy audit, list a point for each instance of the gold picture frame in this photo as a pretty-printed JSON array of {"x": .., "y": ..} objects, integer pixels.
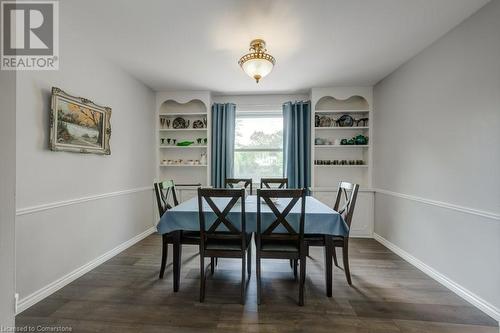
[{"x": 78, "y": 124}]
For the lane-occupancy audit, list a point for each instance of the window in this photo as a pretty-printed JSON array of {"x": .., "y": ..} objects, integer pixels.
[{"x": 258, "y": 145}]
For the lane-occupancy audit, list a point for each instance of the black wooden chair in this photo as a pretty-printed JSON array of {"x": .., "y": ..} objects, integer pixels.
[
  {"x": 240, "y": 182},
  {"x": 344, "y": 204},
  {"x": 166, "y": 198},
  {"x": 224, "y": 238},
  {"x": 274, "y": 183},
  {"x": 282, "y": 244}
]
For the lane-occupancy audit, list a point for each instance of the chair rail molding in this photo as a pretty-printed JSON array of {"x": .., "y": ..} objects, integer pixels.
[
  {"x": 442, "y": 204},
  {"x": 62, "y": 203}
]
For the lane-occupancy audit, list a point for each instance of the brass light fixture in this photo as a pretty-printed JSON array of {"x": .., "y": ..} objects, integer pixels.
[{"x": 257, "y": 64}]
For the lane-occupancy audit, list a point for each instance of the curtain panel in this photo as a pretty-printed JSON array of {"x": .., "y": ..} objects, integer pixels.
[
  {"x": 223, "y": 127},
  {"x": 297, "y": 144}
]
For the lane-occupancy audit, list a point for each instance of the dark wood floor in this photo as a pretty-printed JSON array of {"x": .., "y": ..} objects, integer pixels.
[{"x": 388, "y": 295}]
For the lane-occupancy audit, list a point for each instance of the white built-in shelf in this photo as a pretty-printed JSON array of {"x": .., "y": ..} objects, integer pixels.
[
  {"x": 341, "y": 146},
  {"x": 342, "y": 111},
  {"x": 182, "y": 129},
  {"x": 342, "y": 128},
  {"x": 183, "y": 165},
  {"x": 341, "y": 166},
  {"x": 181, "y": 114},
  {"x": 182, "y": 147}
]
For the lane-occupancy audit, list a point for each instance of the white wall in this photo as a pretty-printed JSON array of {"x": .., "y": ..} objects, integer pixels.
[
  {"x": 73, "y": 208},
  {"x": 7, "y": 196},
  {"x": 260, "y": 102},
  {"x": 437, "y": 137}
]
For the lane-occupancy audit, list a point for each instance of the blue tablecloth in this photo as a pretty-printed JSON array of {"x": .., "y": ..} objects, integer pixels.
[{"x": 320, "y": 219}]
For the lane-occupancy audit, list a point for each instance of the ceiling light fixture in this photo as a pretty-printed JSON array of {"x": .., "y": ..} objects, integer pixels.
[{"x": 257, "y": 64}]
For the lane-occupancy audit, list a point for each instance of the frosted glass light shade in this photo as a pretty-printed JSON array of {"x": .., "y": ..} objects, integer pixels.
[{"x": 257, "y": 68}]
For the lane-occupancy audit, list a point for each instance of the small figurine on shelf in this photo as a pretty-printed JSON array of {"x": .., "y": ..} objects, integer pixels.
[{"x": 203, "y": 159}]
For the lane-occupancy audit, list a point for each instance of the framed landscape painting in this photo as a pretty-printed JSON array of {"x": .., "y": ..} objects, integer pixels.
[{"x": 78, "y": 125}]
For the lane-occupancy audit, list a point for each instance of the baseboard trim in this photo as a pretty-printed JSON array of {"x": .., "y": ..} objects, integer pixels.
[
  {"x": 51, "y": 288},
  {"x": 464, "y": 293},
  {"x": 463, "y": 209},
  {"x": 57, "y": 204}
]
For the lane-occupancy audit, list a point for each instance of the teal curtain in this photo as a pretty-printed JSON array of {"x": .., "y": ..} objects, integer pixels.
[
  {"x": 297, "y": 144},
  {"x": 223, "y": 126}
]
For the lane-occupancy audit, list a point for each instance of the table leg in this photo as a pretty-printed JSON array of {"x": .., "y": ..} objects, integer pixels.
[
  {"x": 328, "y": 264},
  {"x": 177, "y": 259}
]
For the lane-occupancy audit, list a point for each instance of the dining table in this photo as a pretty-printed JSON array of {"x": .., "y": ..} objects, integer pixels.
[{"x": 319, "y": 219}]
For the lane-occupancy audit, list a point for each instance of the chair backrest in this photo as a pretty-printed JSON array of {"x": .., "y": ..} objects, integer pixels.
[
  {"x": 346, "y": 200},
  {"x": 241, "y": 182},
  {"x": 277, "y": 182},
  {"x": 166, "y": 197},
  {"x": 233, "y": 230},
  {"x": 281, "y": 215}
]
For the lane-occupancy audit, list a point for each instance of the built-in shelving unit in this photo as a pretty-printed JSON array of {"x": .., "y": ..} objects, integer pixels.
[
  {"x": 182, "y": 129},
  {"x": 331, "y": 161},
  {"x": 183, "y": 164},
  {"x": 342, "y": 166},
  {"x": 340, "y": 111},
  {"x": 357, "y": 128},
  {"x": 180, "y": 114},
  {"x": 182, "y": 147},
  {"x": 341, "y": 146}
]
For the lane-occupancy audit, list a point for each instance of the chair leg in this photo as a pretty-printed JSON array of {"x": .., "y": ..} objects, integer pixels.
[
  {"x": 345, "y": 255},
  {"x": 212, "y": 265},
  {"x": 328, "y": 265},
  {"x": 216, "y": 261},
  {"x": 202, "y": 278},
  {"x": 295, "y": 264},
  {"x": 249, "y": 260},
  {"x": 302, "y": 280},
  {"x": 243, "y": 277},
  {"x": 335, "y": 256},
  {"x": 291, "y": 263},
  {"x": 164, "y": 254},
  {"x": 257, "y": 272}
]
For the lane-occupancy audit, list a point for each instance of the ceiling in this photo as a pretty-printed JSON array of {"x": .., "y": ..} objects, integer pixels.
[{"x": 195, "y": 45}]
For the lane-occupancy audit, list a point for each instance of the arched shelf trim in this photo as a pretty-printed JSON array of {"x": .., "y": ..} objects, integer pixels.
[
  {"x": 354, "y": 102},
  {"x": 174, "y": 106}
]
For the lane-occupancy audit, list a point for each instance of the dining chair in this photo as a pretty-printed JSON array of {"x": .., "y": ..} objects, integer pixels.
[
  {"x": 273, "y": 182},
  {"x": 241, "y": 182},
  {"x": 225, "y": 238},
  {"x": 344, "y": 204},
  {"x": 166, "y": 198},
  {"x": 279, "y": 240}
]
